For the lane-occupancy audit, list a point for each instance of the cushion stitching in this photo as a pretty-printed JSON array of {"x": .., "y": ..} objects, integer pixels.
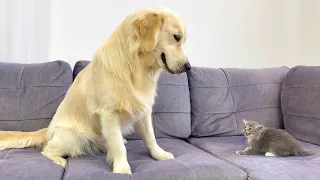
[
  {"x": 45, "y": 105},
  {"x": 226, "y": 160},
  {"x": 236, "y": 111},
  {"x": 24, "y": 119},
  {"x": 170, "y": 112},
  {"x": 19, "y": 97},
  {"x": 64, "y": 170},
  {"x": 233, "y": 86},
  {"x": 173, "y": 85},
  {"x": 301, "y": 116},
  {"x": 186, "y": 166},
  {"x": 292, "y": 87},
  {"x": 232, "y": 99},
  {"x": 190, "y": 104},
  {"x": 249, "y": 178},
  {"x": 33, "y": 87},
  {"x": 6, "y": 154}
]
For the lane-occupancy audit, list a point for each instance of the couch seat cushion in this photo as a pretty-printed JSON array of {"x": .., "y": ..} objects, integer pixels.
[
  {"x": 261, "y": 167},
  {"x": 190, "y": 163},
  {"x": 27, "y": 164}
]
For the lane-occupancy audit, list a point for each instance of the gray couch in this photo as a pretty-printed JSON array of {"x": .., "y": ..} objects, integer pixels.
[{"x": 197, "y": 116}]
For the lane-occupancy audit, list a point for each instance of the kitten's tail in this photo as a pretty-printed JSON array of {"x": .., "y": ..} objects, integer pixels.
[{"x": 303, "y": 153}]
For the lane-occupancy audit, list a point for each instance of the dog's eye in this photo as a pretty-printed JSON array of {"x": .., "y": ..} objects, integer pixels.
[{"x": 177, "y": 37}]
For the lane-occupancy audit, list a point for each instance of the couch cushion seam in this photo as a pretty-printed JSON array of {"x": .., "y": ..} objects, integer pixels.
[
  {"x": 271, "y": 83},
  {"x": 300, "y": 116},
  {"x": 181, "y": 85},
  {"x": 64, "y": 170},
  {"x": 27, "y": 87},
  {"x": 225, "y": 160},
  {"x": 293, "y": 87},
  {"x": 232, "y": 99},
  {"x": 13, "y": 120},
  {"x": 185, "y": 166},
  {"x": 19, "y": 97},
  {"x": 6, "y": 154},
  {"x": 208, "y": 113}
]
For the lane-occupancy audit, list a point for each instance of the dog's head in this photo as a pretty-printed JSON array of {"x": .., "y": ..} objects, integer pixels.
[{"x": 162, "y": 34}]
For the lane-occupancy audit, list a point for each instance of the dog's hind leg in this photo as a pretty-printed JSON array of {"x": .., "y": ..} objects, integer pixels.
[
  {"x": 63, "y": 142},
  {"x": 53, "y": 151}
]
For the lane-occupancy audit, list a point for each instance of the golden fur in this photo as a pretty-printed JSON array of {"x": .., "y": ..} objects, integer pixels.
[{"x": 113, "y": 94}]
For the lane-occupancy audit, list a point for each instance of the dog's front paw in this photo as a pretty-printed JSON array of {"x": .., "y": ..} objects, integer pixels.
[
  {"x": 160, "y": 154},
  {"x": 121, "y": 168}
]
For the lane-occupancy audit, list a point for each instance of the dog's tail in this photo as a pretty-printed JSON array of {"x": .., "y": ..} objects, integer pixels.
[
  {"x": 17, "y": 139},
  {"x": 303, "y": 153}
]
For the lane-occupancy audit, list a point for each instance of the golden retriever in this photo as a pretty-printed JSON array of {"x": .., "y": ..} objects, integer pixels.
[{"x": 114, "y": 93}]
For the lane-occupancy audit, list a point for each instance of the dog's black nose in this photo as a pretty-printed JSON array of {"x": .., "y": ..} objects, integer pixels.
[{"x": 187, "y": 66}]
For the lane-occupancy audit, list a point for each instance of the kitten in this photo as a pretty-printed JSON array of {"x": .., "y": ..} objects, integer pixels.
[{"x": 270, "y": 141}]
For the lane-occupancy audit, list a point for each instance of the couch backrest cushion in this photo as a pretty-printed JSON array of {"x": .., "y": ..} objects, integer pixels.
[
  {"x": 221, "y": 98},
  {"x": 31, "y": 93},
  {"x": 171, "y": 111},
  {"x": 301, "y": 103}
]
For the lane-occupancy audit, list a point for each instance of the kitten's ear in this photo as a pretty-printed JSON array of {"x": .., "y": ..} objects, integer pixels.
[
  {"x": 259, "y": 127},
  {"x": 245, "y": 121}
]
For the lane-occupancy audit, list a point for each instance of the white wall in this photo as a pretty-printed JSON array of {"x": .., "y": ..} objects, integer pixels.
[
  {"x": 221, "y": 33},
  {"x": 310, "y": 32},
  {"x": 232, "y": 33},
  {"x": 24, "y": 30},
  {"x": 3, "y": 30}
]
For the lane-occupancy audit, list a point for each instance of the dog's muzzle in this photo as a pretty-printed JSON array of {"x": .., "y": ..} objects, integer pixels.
[
  {"x": 164, "y": 61},
  {"x": 186, "y": 66}
]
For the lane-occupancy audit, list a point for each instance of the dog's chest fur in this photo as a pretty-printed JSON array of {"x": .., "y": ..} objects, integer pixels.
[
  {"x": 144, "y": 92},
  {"x": 131, "y": 100}
]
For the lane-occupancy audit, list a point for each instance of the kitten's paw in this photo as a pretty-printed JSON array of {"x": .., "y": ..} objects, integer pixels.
[
  {"x": 270, "y": 154},
  {"x": 239, "y": 152}
]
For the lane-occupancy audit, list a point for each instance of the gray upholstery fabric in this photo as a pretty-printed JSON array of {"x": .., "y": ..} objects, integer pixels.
[
  {"x": 27, "y": 164},
  {"x": 301, "y": 103},
  {"x": 171, "y": 111},
  {"x": 261, "y": 167},
  {"x": 221, "y": 98},
  {"x": 31, "y": 93},
  {"x": 190, "y": 164}
]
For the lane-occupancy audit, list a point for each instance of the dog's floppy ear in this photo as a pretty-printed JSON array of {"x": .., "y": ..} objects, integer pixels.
[{"x": 148, "y": 29}]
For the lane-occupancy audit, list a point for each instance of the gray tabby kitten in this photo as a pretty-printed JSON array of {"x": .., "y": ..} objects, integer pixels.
[{"x": 270, "y": 141}]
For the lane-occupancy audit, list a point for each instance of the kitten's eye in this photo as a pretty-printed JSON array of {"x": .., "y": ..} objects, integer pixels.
[{"x": 177, "y": 37}]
